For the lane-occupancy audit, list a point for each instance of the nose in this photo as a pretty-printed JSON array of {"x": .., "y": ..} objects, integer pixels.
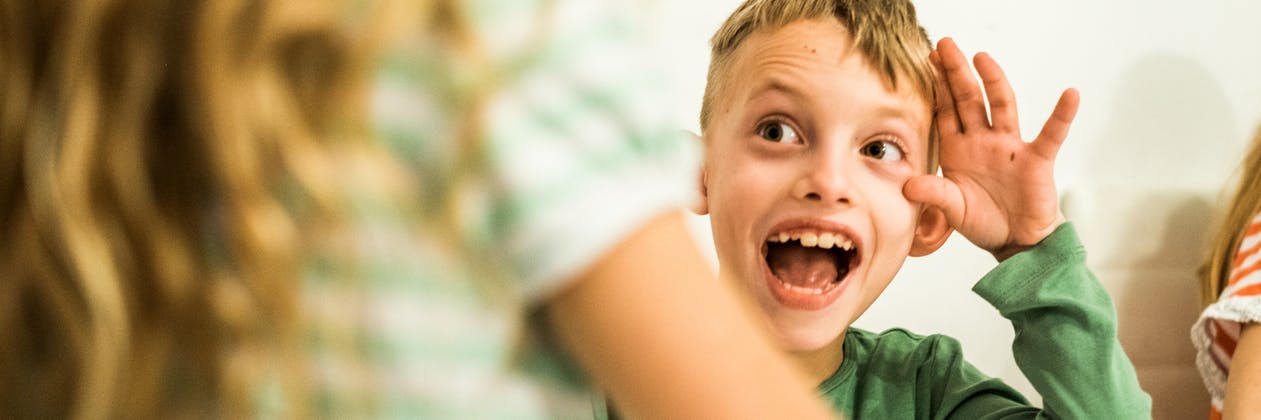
[{"x": 824, "y": 180}]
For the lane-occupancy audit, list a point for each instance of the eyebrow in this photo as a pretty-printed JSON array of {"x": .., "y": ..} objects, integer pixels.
[
  {"x": 776, "y": 84},
  {"x": 890, "y": 111}
]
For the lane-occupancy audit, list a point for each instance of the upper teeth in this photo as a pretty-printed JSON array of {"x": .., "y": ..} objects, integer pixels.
[{"x": 811, "y": 239}]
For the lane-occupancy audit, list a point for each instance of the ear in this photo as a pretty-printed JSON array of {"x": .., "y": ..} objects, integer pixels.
[
  {"x": 700, "y": 205},
  {"x": 931, "y": 232}
]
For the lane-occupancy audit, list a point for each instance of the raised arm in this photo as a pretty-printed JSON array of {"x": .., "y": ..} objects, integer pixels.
[{"x": 999, "y": 192}]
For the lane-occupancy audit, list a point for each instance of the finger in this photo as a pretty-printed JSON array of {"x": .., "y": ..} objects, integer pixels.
[
  {"x": 1048, "y": 142},
  {"x": 1002, "y": 99},
  {"x": 938, "y": 192},
  {"x": 947, "y": 118},
  {"x": 969, "y": 101}
]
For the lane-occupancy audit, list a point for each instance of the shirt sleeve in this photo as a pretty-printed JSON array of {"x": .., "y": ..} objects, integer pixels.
[
  {"x": 575, "y": 144},
  {"x": 1215, "y": 334},
  {"x": 1065, "y": 324},
  {"x": 583, "y": 149},
  {"x": 541, "y": 142}
]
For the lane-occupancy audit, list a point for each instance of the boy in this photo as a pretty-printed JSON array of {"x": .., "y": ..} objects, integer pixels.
[{"x": 821, "y": 145}]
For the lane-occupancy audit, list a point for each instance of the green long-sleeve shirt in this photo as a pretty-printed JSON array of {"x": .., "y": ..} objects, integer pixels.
[{"x": 1065, "y": 345}]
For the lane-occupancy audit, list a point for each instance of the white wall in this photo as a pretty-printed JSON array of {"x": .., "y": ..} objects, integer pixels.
[{"x": 1170, "y": 97}]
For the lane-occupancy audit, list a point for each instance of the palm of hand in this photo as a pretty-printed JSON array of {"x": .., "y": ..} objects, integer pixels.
[
  {"x": 1008, "y": 191},
  {"x": 996, "y": 190}
]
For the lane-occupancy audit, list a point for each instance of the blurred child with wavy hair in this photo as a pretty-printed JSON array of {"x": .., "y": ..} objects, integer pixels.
[{"x": 198, "y": 219}]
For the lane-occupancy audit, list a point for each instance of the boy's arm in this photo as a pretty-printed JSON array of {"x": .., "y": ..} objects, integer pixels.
[
  {"x": 1065, "y": 344},
  {"x": 1065, "y": 328},
  {"x": 999, "y": 192}
]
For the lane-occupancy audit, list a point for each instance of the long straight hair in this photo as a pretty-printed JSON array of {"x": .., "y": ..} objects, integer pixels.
[{"x": 1244, "y": 205}]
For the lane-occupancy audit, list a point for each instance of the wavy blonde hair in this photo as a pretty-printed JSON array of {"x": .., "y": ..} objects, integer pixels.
[
  {"x": 1245, "y": 203},
  {"x": 156, "y": 158}
]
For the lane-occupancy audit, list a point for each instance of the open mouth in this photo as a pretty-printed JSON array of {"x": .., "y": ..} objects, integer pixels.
[{"x": 808, "y": 266}]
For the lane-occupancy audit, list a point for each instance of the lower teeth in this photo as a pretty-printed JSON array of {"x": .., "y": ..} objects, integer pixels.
[{"x": 803, "y": 290}]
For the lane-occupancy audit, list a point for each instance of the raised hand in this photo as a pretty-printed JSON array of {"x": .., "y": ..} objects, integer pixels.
[{"x": 995, "y": 189}]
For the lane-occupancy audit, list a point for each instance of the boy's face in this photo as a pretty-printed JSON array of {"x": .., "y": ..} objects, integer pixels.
[{"x": 806, "y": 155}]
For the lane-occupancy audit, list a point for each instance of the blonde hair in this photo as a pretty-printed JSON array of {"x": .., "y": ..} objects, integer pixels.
[
  {"x": 156, "y": 161},
  {"x": 156, "y": 158},
  {"x": 1244, "y": 206},
  {"x": 886, "y": 32}
]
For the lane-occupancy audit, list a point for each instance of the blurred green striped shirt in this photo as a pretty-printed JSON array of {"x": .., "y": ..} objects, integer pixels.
[{"x": 579, "y": 152}]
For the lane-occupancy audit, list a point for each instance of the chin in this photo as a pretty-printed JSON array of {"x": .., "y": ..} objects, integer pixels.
[{"x": 805, "y": 336}]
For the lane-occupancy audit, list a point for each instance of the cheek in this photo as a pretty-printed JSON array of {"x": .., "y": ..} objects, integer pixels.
[
  {"x": 733, "y": 206},
  {"x": 743, "y": 185},
  {"x": 896, "y": 217},
  {"x": 726, "y": 192},
  {"x": 741, "y": 193}
]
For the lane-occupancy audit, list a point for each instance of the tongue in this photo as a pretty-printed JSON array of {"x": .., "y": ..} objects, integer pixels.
[{"x": 801, "y": 266}]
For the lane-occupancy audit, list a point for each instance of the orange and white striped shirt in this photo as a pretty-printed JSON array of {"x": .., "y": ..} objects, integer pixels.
[{"x": 1217, "y": 331}]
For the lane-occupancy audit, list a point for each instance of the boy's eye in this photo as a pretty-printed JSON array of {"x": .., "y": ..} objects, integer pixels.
[
  {"x": 777, "y": 132},
  {"x": 882, "y": 150}
]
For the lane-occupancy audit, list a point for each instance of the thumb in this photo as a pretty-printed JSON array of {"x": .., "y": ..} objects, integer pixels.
[{"x": 938, "y": 192}]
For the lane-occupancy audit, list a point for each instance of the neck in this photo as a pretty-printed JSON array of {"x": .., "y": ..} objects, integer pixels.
[{"x": 819, "y": 364}]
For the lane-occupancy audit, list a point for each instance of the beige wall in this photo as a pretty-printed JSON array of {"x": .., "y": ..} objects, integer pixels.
[{"x": 1170, "y": 95}]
